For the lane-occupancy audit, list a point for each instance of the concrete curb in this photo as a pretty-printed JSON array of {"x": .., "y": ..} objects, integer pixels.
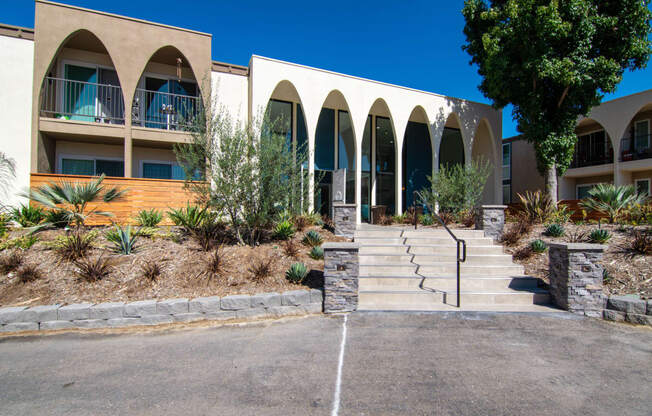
[{"x": 152, "y": 312}]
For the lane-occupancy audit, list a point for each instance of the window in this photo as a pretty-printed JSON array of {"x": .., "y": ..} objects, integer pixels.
[
  {"x": 643, "y": 186},
  {"x": 163, "y": 170},
  {"x": 92, "y": 167},
  {"x": 583, "y": 190},
  {"x": 507, "y": 173},
  {"x": 642, "y": 134}
]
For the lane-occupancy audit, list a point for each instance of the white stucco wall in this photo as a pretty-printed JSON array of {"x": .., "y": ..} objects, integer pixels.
[
  {"x": 231, "y": 91},
  {"x": 17, "y": 56},
  {"x": 314, "y": 85}
]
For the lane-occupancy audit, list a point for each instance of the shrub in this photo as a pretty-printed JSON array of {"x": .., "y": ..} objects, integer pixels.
[
  {"x": 317, "y": 253},
  {"x": 447, "y": 217},
  {"x": 385, "y": 220},
  {"x": 314, "y": 218},
  {"x": 538, "y": 246},
  {"x": 523, "y": 253},
  {"x": 73, "y": 246},
  {"x": 28, "y": 215},
  {"x": 146, "y": 232},
  {"x": 73, "y": 198},
  {"x": 92, "y": 270},
  {"x": 554, "y": 230},
  {"x": 426, "y": 219},
  {"x": 516, "y": 231},
  {"x": 210, "y": 233},
  {"x": 537, "y": 206},
  {"x": 400, "y": 219},
  {"x": 291, "y": 248},
  {"x": 189, "y": 217},
  {"x": 149, "y": 218},
  {"x": 639, "y": 214},
  {"x": 213, "y": 264},
  {"x": 25, "y": 242},
  {"x": 457, "y": 187},
  {"x": 561, "y": 215},
  {"x": 611, "y": 200},
  {"x": 150, "y": 270},
  {"x": 283, "y": 230},
  {"x": 599, "y": 236},
  {"x": 301, "y": 222},
  {"x": 296, "y": 273},
  {"x": 11, "y": 261},
  {"x": 327, "y": 223},
  {"x": 466, "y": 218},
  {"x": 28, "y": 273},
  {"x": 606, "y": 276},
  {"x": 123, "y": 239},
  {"x": 4, "y": 224},
  {"x": 576, "y": 236},
  {"x": 642, "y": 242},
  {"x": 312, "y": 239},
  {"x": 261, "y": 268},
  {"x": 57, "y": 218}
]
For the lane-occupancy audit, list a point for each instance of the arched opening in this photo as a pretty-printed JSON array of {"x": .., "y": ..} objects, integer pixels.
[
  {"x": 636, "y": 145},
  {"x": 451, "y": 148},
  {"x": 284, "y": 117},
  {"x": 593, "y": 146},
  {"x": 334, "y": 150},
  {"x": 167, "y": 96},
  {"x": 378, "y": 187},
  {"x": 81, "y": 85},
  {"x": 484, "y": 151},
  {"x": 417, "y": 156}
]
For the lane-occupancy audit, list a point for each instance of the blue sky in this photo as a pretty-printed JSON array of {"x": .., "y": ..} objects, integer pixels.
[{"x": 412, "y": 43}]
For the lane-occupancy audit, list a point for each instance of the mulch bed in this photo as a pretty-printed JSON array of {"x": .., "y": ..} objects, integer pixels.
[{"x": 183, "y": 267}]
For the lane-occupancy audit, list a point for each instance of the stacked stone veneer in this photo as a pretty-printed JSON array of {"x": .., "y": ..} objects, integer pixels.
[
  {"x": 629, "y": 308},
  {"x": 576, "y": 278},
  {"x": 341, "y": 271},
  {"x": 491, "y": 219},
  {"x": 152, "y": 312},
  {"x": 344, "y": 219}
]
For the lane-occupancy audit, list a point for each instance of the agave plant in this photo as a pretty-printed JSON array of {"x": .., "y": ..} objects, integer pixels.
[
  {"x": 611, "y": 199},
  {"x": 190, "y": 217},
  {"x": 72, "y": 199},
  {"x": 124, "y": 241},
  {"x": 296, "y": 273}
]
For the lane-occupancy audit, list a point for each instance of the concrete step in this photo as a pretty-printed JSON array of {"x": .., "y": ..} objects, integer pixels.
[
  {"x": 385, "y": 259},
  {"x": 404, "y": 298},
  {"x": 383, "y": 249},
  {"x": 364, "y": 241},
  {"x": 479, "y": 259},
  {"x": 378, "y": 233},
  {"x": 448, "y": 283},
  {"x": 465, "y": 307},
  {"x": 420, "y": 241},
  {"x": 440, "y": 232},
  {"x": 428, "y": 250},
  {"x": 388, "y": 270},
  {"x": 450, "y": 269}
]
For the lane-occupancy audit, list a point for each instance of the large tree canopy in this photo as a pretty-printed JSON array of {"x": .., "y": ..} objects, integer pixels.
[{"x": 553, "y": 61}]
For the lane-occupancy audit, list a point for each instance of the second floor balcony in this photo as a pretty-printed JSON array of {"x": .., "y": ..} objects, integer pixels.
[
  {"x": 592, "y": 150},
  {"x": 635, "y": 148},
  {"x": 66, "y": 99}
]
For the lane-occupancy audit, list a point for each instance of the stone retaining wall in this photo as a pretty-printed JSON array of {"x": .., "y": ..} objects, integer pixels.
[
  {"x": 152, "y": 312},
  {"x": 491, "y": 219},
  {"x": 629, "y": 308}
]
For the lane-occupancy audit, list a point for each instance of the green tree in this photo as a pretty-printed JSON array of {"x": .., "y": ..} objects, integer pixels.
[
  {"x": 252, "y": 173},
  {"x": 553, "y": 61}
]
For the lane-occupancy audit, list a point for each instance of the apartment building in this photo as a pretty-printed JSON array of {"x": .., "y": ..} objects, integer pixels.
[
  {"x": 613, "y": 146},
  {"x": 89, "y": 93}
]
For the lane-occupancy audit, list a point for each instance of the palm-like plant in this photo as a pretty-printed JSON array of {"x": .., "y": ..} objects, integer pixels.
[
  {"x": 611, "y": 200},
  {"x": 72, "y": 198},
  {"x": 7, "y": 174}
]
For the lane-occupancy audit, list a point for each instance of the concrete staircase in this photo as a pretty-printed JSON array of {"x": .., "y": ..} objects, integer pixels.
[{"x": 407, "y": 269}]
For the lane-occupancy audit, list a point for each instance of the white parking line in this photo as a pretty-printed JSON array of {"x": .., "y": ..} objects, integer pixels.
[{"x": 338, "y": 381}]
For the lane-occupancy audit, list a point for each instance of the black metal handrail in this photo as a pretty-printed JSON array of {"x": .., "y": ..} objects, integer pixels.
[{"x": 461, "y": 244}]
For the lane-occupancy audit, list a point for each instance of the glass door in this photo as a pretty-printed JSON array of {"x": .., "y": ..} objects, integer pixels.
[{"x": 80, "y": 92}]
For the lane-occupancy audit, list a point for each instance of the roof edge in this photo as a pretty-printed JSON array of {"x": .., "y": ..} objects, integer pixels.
[{"x": 16, "y": 32}]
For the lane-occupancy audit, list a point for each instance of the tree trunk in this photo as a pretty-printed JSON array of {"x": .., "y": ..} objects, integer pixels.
[{"x": 551, "y": 183}]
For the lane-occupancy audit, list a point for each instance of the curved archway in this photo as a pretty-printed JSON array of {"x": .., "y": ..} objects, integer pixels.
[
  {"x": 451, "y": 145},
  {"x": 637, "y": 140},
  {"x": 81, "y": 82},
  {"x": 379, "y": 161},
  {"x": 168, "y": 95},
  {"x": 594, "y": 146},
  {"x": 417, "y": 155},
  {"x": 484, "y": 149},
  {"x": 334, "y": 149}
]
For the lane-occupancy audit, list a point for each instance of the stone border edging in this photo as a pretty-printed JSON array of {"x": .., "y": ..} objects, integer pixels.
[
  {"x": 628, "y": 308},
  {"x": 152, "y": 312}
]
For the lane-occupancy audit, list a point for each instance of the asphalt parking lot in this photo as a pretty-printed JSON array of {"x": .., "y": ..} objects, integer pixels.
[{"x": 390, "y": 364}]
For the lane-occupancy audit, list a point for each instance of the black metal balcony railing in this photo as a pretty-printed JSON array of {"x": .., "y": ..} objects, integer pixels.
[
  {"x": 592, "y": 156},
  {"x": 84, "y": 101},
  {"x": 163, "y": 110},
  {"x": 636, "y": 148}
]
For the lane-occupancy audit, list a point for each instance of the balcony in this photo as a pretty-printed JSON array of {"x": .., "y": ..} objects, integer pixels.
[
  {"x": 163, "y": 110},
  {"x": 636, "y": 149},
  {"x": 591, "y": 156},
  {"x": 66, "y": 99}
]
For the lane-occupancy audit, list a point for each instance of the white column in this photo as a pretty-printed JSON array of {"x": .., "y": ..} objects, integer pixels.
[
  {"x": 311, "y": 169},
  {"x": 358, "y": 180},
  {"x": 373, "y": 161},
  {"x": 398, "y": 178}
]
